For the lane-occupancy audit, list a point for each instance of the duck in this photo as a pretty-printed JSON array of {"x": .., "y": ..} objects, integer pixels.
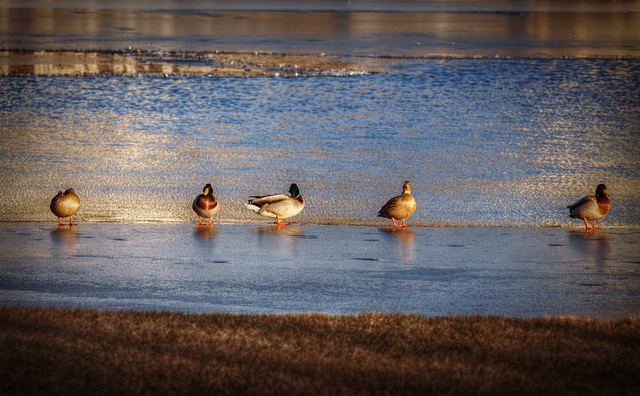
[
  {"x": 278, "y": 206},
  {"x": 592, "y": 207},
  {"x": 205, "y": 205},
  {"x": 65, "y": 204},
  {"x": 400, "y": 207}
]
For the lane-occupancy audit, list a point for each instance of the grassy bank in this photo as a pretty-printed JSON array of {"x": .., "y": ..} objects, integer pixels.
[{"x": 53, "y": 351}]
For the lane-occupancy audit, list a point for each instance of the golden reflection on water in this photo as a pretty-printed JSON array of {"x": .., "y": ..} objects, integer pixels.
[{"x": 131, "y": 156}]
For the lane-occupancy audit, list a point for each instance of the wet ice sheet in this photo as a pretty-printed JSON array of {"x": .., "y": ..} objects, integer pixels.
[{"x": 331, "y": 269}]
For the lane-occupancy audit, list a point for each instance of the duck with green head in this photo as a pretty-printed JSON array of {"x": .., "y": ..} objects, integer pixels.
[
  {"x": 592, "y": 207},
  {"x": 278, "y": 206},
  {"x": 205, "y": 205},
  {"x": 65, "y": 204}
]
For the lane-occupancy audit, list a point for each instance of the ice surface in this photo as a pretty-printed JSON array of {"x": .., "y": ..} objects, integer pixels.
[{"x": 331, "y": 269}]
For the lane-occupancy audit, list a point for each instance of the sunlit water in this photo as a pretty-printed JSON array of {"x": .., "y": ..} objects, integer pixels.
[{"x": 507, "y": 142}]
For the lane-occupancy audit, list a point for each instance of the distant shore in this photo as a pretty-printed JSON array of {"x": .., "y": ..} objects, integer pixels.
[{"x": 56, "y": 351}]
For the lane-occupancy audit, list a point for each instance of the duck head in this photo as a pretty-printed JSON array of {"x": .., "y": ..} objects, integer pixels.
[
  {"x": 293, "y": 190},
  {"x": 602, "y": 190}
]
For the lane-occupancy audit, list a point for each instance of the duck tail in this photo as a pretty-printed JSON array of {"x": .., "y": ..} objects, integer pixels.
[{"x": 252, "y": 206}]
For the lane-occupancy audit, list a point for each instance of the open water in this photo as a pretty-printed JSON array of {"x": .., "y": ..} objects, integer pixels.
[{"x": 483, "y": 142}]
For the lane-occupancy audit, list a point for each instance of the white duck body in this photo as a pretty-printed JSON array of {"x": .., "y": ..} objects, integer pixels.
[
  {"x": 587, "y": 208},
  {"x": 277, "y": 206}
]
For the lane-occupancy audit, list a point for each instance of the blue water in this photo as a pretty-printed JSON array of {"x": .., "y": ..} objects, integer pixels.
[{"x": 483, "y": 142}]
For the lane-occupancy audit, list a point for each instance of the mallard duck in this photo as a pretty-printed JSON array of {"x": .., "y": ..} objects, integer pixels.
[
  {"x": 591, "y": 208},
  {"x": 400, "y": 207},
  {"x": 205, "y": 205},
  {"x": 278, "y": 206},
  {"x": 65, "y": 204}
]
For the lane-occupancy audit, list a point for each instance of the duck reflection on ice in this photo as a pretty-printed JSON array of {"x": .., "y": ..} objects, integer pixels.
[
  {"x": 280, "y": 240},
  {"x": 206, "y": 233},
  {"x": 291, "y": 231},
  {"x": 406, "y": 237},
  {"x": 591, "y": 244},
  {"x": 66, "y": 237}
]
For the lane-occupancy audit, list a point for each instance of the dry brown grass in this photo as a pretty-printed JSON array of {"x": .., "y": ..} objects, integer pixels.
[{"x": 73, "y": 352}]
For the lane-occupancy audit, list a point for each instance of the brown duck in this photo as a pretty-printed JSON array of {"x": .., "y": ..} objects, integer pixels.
[
  {"x": 400, "y": 207},
  {"x": 65, "y": 204}
]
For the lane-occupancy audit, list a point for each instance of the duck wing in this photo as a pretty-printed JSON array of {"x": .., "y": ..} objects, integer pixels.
[
  {"x": 269, "y": 199},
  {"x": 581, "y": 202},
  {"x": 389, "y": 207}
]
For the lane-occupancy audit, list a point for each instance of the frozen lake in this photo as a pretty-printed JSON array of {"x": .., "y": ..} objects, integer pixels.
[{"x": 521, "y": 272}]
